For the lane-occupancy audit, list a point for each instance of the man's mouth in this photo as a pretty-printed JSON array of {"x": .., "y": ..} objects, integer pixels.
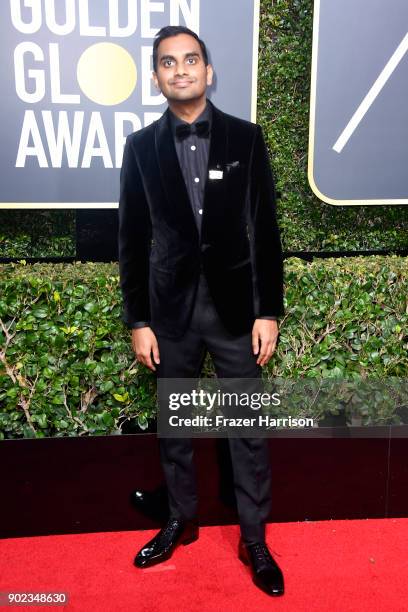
[{"x": 182, "y": 83}]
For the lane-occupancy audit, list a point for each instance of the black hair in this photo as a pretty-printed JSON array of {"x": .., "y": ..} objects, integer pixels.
[{"x": 169, "y": 31}]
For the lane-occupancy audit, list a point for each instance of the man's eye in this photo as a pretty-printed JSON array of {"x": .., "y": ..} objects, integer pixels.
[
  {"x": 192, "y": 60},
  {"x": 168, "y": 62}
]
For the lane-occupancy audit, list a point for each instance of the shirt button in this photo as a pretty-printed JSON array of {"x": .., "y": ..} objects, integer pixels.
[
  {"x": 200, "y": 212},
  {"x": 196, "y": 180},
  {"x": 193, "y": 147}
]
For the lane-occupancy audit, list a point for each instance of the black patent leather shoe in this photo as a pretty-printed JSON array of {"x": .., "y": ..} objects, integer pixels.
[
  {"x": 161, "y": 547},
  {"x": 266, "y": 573}
]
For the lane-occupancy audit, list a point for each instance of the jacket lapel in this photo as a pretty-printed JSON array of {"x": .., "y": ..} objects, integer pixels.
[
  {"x": 215, "y": 189},
  {"x": 171, "y": 175}
]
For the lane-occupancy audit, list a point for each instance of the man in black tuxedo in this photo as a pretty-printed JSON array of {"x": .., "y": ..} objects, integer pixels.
[{"x": 201, "y": 268}]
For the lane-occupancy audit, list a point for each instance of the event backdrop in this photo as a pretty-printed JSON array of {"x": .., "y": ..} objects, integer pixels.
[
  {"x": 76, "y": 79},
  {"x": 359, "y": 115}
]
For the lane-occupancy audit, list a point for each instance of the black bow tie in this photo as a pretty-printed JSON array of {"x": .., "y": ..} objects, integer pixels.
[{"x": 201, "y": 128}]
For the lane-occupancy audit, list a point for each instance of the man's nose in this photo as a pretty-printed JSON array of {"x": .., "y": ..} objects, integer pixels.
[{"x": 180, "y": 68}]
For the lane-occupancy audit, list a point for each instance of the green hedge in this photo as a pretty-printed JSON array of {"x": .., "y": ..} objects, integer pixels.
[
  {"x": 307, "y": 224},
  {"x": 37, "y": 233},
  {"x": 67, "y": 367}
]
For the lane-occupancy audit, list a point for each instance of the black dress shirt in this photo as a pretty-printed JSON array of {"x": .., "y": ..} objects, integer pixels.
[{"x": 192, "y": 152}]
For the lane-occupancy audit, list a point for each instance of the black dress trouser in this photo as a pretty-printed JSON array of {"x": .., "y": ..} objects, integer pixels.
[{"x": 233, "y": 358}]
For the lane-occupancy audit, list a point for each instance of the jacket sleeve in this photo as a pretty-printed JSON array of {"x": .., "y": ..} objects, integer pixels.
[
  {"x": 134, "y": 241},
  {"x": 267, "y": 248}
]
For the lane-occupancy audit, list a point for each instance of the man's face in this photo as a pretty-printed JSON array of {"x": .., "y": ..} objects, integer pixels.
[{"x": 181, "y": 72}]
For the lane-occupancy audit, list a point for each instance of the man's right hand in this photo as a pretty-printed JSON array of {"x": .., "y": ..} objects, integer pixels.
[{"x": 144, "y": 343}]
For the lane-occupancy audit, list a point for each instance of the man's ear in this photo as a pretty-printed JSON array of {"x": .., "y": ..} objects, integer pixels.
[
  {"x": 155, "y": 81},
  {"x": 210, "y": 74}
]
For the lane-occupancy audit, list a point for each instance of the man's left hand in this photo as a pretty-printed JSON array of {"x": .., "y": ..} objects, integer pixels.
[{"x": 264, "y": 338}]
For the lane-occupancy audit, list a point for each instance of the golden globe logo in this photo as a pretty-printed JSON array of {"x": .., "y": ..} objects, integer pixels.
[
  {"x": 115, "y": 82},
  {"x": 105, "y": 74}
]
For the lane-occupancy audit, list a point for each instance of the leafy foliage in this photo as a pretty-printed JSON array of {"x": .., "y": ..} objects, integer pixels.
[
  {"x": 37, "y": 233},
  {"x": 67, "y": 367}
]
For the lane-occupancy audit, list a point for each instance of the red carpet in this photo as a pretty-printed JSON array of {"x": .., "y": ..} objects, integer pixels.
[{"x": 332, "y": 566}]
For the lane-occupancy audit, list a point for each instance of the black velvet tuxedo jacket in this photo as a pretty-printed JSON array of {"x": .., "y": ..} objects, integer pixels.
[{"x": 161, "y": 253}]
